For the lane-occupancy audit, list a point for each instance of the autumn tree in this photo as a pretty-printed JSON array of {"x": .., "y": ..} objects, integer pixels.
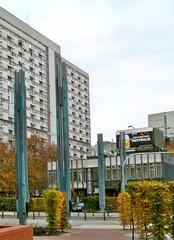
[
  {"x": 52, "y": 157},
  {"x": 39, "y": 154},
  {"x": 7, "y": 168}
]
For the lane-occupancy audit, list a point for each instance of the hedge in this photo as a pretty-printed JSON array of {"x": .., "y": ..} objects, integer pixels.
[
  {"x": 55, "y": 209},
  {"x": 91, "y": 204},
  {"x": 9, "y": 204}
]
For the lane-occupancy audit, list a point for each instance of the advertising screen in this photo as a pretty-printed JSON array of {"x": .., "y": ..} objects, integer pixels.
[{"x": 136, "y": 138}]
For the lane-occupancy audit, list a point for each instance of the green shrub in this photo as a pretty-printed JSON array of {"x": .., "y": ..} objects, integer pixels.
[
  {"x": 8, "y": 204},
  {"x": 37, "y": 205},
  {"x": 91, "y": 204},
  {"x": 111, "y": 204}
]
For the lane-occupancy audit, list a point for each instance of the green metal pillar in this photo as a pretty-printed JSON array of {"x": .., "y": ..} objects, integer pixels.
[
  {"x": 63, "y": 165},
  {"x": 101, "y": 172},
  {"x": 22, "y": 197},
  {"x": 122, "y": 155}
]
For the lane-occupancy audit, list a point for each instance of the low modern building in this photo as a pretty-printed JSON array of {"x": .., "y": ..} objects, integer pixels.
[
  {"x": 164, "y": 121},
  {"x": 22, "y": 47},
  {"x": 140, "y": 166},
  {"x": 109, "y": 149}
]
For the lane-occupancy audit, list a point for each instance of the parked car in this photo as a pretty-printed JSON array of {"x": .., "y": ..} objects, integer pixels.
[{"x": 78, "y": 207}]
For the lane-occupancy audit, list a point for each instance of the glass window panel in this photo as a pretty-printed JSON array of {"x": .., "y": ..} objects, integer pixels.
[
  {"x": 108, "y": 174},
  {"x": 132, "y": 172},
  {"x": 158, "y": 171},
  {"x": 152, "y": 171},
  {"x": 138, "y": 172},
  {"x": 145, "y": 171},
  {"x": 75, "y": 175},
  {"x": 114, "y": 173}
]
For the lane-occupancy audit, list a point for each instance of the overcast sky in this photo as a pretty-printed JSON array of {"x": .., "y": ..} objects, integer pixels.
[{"x": 126, "y": 46}]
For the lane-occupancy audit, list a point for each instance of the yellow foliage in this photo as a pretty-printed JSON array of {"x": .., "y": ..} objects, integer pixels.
[
  {"x": 56, "y": 213},
  {"x": 124, "y": 208}
]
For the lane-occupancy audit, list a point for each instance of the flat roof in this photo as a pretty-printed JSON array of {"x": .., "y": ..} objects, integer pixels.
[{"x": 25, "y": 28}]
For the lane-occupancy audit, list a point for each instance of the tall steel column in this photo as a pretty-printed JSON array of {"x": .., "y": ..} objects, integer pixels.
[
  {"x": 101, "y": 171},
  {"x": 22, "y": 196},
  {"x": 63, "y": 165},
  {"x": 122, "y": 155}
]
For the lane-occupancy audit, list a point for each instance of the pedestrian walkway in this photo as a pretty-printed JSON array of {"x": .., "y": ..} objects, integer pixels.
[
  {"x": 93, "y": 228},
  {"x": 92, "y": 234}
]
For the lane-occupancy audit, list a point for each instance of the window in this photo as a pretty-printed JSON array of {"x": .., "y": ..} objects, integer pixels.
[
  {"x": 20, "y": 54},
  {"x": 158, "y": 170},
  {"x": 9, "y": 59},
  {"x": 31, "y": 60},
  {"x": 9, "y": 78},
  {"x": 9, "y": 48},
  {"x": 31, "y": 52},
  {"x": 31, "y": 69},
  {"x": 132, "y": 172},
  {"x": 145, "y": 171},
  {"x": 108, "y": 173},
  {"x": 40, "y": 66},
  {"x": 9, "y": 68},
  {"x": 114, "y": 173},
  {"x": 40, "y": 75},
  {"x": 20, "y": 63},
  {"x": 20, "y": 43},
  {"x": 31, "y": 79},
  {"x": 9, "y": 38},
  {"x": 40, "y": 56},
  {"x": 152, "y": 170},
  {"x": 138, "y": 172}
]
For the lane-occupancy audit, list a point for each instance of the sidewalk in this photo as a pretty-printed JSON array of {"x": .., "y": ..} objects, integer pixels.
[
  {"x": 94, "y": 228},
  {"x": 92, "y": 234},
  {"x": 76, "y": 221}
]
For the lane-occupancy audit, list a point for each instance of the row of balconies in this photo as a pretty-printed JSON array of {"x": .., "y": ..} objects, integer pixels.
[
  {"x": 14, "y": 59},
  {"x": 13, "y": 40},
  {"x": 76, "y": 77}
]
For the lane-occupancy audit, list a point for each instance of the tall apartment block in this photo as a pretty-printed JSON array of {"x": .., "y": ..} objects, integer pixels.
[
  {"x": 23, "y": 47},
  {"x": 164, "y": 121}
]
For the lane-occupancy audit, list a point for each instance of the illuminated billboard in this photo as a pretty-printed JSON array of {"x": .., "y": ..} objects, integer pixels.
[{"x": 135, "y": 138}]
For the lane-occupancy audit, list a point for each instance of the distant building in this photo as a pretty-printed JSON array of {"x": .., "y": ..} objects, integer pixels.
[
  {"x": 163, "y": 121},
  {"x": 109, "y": 149},
  {"x": 142, "y": 166},
  {"x": 23, "y": 47}
]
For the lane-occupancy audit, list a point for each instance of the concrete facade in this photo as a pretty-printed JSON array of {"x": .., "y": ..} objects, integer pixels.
[
  {"x": 164, "y": 121},
  {"x": 23, "y": 47}
]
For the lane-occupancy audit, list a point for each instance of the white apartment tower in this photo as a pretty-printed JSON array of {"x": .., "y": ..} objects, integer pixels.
[{"x": 23, "y": 47}]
